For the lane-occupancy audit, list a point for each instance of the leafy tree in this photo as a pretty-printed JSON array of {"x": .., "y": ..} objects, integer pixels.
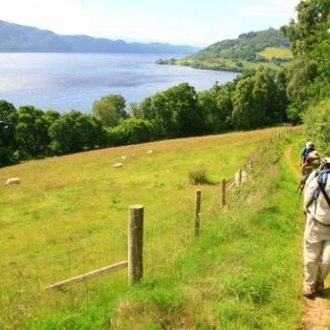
[
  {"x": 135, "y": 110},
  {"x": 51, "y": 116},
  {"x": 207, "y": 104},
  {"x": 216, "y": 107},
  {"x": 8, "y": 117},
  {"x": 317, "y": 125},
  {"x": 267, "y": 97},
  {"x": 173, "y": 112},
  {"x": 293, "y": 114},
  {"x": 182, "y": 105},
  {"x": 110, "y": 109},
  {"x": 132, "y": 131},
  {"x": 244, "y": 116},
  {"x": 301, "y": 74},
  {"x": 311, "y": 27},
  {"x": 75, "y": 131},
  {"x": 31, "y": 132},
  {"x": 224, "y": 97},
  {"x": 154, "y": 109},
  {"x": 281, "y": 82},
  {"x": 310, "y": 44},
  {"x": 257, "y": 100}
]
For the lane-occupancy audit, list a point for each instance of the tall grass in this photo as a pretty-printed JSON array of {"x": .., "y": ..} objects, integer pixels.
[{"x": 68, "y": 217}]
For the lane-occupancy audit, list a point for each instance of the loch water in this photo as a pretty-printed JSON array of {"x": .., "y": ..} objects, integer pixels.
[{"x": 66, "y": 81}]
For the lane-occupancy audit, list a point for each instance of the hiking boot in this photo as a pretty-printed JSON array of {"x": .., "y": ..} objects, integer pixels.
[
  {"x": 319, "y": 287},
  {"x": 308, "y": 292}
]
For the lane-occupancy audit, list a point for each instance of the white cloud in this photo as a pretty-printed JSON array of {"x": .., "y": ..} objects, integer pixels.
[{"x": 269, "y": 8}]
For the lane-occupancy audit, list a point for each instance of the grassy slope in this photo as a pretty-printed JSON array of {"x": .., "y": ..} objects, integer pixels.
[
  {"x": 268, "y": 48},
  {"x": 271, "y": 52},
  {"x": 65, "y": 204},
  {"x": 231, "y": 65}
]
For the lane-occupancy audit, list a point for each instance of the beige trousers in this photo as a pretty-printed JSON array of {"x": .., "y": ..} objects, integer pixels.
[{"x": 316, "y": 252}]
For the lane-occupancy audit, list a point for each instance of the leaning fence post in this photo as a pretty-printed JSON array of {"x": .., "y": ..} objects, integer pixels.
[
  {"x": 223, "y": 194},
  {"x": 197, "y": 212},
  {"x": 135, "y": 244}
]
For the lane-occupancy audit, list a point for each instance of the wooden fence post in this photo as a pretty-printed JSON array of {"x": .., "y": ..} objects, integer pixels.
[
  {"x": 223, "y": 194},
  {"x": 135, "y": 244},
  {"x": 197, "y": 212}
]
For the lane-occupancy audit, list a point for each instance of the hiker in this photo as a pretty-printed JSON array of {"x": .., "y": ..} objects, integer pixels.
[
  {"x": 316, "y": 206},
  {"x": 309, "y": 169},
  {"x": 305, "y": 152}
]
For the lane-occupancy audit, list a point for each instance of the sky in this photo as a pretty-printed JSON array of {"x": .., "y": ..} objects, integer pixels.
[{"x": 178, "y": 22}]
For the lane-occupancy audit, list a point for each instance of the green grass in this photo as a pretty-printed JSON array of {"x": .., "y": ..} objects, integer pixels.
[
  {"x": 69, "y": 216},
  {"x": 271, "y": 52}
]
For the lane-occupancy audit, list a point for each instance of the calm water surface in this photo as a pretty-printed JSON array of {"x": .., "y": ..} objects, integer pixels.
[{"x": 69, "y": 81}]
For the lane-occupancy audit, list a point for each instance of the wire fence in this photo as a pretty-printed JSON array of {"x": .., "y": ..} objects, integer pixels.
[{"x": 23, "y": 284}]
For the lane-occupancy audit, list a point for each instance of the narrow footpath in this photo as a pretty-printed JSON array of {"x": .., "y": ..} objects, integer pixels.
[{"x": 316, "y": 313}]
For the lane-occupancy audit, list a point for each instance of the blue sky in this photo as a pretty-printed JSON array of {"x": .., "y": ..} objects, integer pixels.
[{"x": 191, "y": 22}]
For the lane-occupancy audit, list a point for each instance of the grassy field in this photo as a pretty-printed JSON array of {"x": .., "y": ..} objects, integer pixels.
[
  {"x": 69, "y": 216},
  {"x": 271, "y": 52}
]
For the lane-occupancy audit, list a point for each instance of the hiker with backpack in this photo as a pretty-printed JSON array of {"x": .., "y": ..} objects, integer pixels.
[
  {"x": 316, "y": 253},
  {"x": 309, "y": 147},
  {"x": 310, "y": 169}
]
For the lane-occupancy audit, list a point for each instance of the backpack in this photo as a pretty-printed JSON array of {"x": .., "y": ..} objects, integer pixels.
[
  {"x": 305, "y": 152},
  {"x": 306, "y": 177},
  {"x": 322, "y": 181}
]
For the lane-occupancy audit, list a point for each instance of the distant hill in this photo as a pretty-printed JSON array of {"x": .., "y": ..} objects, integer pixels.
[
  {"x": 269, "y": 47},
  {"x": 19, "y": 38}
]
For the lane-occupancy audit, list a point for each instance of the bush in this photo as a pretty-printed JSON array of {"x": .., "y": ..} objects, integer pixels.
[
  {"x": 198, "y": 176},
  {"x": 317, "y": 125}
]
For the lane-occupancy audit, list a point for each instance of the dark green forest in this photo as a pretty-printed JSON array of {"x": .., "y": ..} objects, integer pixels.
[{"x": 296, "y": 93}]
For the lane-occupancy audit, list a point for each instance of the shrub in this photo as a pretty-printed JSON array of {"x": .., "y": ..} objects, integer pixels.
[
  {"x": 317, "y": 125},
  {"x": 198, "y": 176}
]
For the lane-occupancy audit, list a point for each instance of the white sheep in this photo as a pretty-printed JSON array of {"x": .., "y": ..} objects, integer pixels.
[
  {"x": 12, "y": 181},
  {"x": 117, "y": 165}
]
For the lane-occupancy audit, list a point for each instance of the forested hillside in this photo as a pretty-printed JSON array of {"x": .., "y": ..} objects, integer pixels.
[{"x": 245, "y": 52}]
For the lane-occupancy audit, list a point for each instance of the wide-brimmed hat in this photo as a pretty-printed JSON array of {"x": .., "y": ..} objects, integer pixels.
[
  {"x": 313, "y": 155},
  {"x": 309, "y": 144},
  {"x": 325, "y": 161}
]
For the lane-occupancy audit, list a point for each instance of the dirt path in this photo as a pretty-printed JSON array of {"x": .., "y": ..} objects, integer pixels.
[
  {"x": 316, "y": 313},
  {"x": 292, "y": 159}
]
